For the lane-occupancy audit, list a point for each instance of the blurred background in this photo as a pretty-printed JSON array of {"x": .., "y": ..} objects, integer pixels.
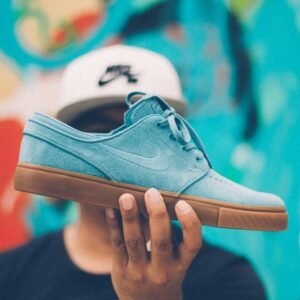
[{"x": 239, "y": 65}]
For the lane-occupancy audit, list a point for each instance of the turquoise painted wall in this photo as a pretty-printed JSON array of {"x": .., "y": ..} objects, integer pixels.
[{"x": 242, "y": 84}]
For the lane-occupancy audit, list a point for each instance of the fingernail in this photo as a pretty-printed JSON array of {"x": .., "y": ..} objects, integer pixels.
[
  {"x": 183, "y": 207},
  {"x": 110, "y": 213},
  {"x": 153, "y": 195},
  {"x": 126, "y": 202}
]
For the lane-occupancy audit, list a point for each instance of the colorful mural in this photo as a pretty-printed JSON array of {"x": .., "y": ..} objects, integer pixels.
[
  {"x": 44, "y": 30},
  {"x": 239, "y": 66}
]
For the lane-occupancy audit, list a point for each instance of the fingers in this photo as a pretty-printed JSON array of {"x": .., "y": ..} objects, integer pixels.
[
  {"x": 119, "y": 252},
  {"x": 132, "y": 230},
  {"x": 129, "y": 245},
  {"x": 160, "y": 228},
  {"x": 192, "y": 234}
]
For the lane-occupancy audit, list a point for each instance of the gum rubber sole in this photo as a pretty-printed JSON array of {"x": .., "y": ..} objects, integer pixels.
[{"x": 63, "y": 184}]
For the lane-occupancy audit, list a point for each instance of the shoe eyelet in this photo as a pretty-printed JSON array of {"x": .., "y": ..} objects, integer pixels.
[
  {"x": 172, "y": 137},
  {"x": 198, "y": 158},
  {"x": 158, "y": 125},
  {"x": 183, "y": 148}
]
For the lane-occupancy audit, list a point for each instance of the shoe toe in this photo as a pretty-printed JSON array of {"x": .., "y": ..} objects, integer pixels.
[
  {"x": 216, "y": 187},
  {"x": 267, "y": 199}
]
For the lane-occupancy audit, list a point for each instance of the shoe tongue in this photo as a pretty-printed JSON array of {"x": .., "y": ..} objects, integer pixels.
[{"x": 147, "y": 105}]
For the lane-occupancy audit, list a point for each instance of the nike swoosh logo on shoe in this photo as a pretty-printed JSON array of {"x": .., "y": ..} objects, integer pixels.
[{"x": 156, "y": 163}]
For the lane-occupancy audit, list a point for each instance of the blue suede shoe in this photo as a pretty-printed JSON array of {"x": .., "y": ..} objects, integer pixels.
[{"x": 154, "y": 148}]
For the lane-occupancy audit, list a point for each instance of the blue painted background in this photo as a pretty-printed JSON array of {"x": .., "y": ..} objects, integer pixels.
[{"x": 211, "y": 68}]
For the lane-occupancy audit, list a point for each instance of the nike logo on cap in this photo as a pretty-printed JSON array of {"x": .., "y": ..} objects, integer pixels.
[{"x": 117, "y": 71}]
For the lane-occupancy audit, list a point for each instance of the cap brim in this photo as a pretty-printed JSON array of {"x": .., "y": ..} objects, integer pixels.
[{"x": 68, "y": 113}]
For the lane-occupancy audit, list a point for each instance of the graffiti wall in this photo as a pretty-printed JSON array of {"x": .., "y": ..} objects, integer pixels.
[{"x": 240, "y": 69}]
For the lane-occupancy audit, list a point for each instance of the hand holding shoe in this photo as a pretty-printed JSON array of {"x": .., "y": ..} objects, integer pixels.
[{"x": 159, "y": 274}]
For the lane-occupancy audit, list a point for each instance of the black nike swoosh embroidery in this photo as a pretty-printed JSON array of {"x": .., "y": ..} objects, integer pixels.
[{"x": 104, "y": 82}]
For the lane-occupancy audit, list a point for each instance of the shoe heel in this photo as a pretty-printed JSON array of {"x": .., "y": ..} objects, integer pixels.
[
  {"x": 65, "y": 185},
  {"x": 40, "y": 182}
]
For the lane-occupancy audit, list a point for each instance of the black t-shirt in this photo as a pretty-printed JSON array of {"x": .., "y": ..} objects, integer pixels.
[{"x": 42, "y": 269}]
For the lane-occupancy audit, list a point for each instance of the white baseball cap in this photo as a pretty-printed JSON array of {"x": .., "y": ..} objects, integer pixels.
[{"x": 107, "y": 75}]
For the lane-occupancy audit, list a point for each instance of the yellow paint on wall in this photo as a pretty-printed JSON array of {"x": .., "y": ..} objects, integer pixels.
[
  {"x": 9, "y": 78},
  {"x": 43, "y": 17}
]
